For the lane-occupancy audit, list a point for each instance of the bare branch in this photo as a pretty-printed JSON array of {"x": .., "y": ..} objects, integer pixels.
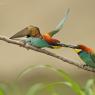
[{"x": 47, "y": 53}]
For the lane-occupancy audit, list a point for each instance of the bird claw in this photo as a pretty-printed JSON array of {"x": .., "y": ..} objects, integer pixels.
[
  {"x": 24, "y": 43},
  {"x": 85, "y": 66},
  {"x": 26, "y": 46}
]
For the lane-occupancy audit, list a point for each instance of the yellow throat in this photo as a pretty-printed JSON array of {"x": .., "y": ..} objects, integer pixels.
[{"x": 77, "y": 50}]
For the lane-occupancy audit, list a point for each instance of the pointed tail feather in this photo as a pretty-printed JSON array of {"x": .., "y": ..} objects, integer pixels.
[{"x": 61, "y": 23}]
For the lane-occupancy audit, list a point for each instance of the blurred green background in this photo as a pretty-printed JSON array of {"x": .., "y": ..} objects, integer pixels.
[{"x": 46, "y": 14}]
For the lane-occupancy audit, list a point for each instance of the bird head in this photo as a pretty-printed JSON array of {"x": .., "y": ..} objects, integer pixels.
[
  {"x": 83, "y": 48},
  {"x": 34, "y": 31}
]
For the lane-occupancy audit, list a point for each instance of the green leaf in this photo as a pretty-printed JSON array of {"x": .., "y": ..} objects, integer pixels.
[
  {"x": 90, "y": 87},
  {"x": 55, "y": 93},
  {"x": 25, "y": 71},
  {"x": 72, "y": 83},
  {"x": 4, "y": 89},
  {"x": 1, "y": 92},
  {"x": 35, "y": 89},
  {"x": 69, "y": 82}
]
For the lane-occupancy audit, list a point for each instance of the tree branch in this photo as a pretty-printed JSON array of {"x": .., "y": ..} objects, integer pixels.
[{"x": 47, "y": 53}]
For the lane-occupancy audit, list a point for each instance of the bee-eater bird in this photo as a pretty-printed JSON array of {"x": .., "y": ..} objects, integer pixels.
[
  {"x": 37, "y": 42},
  {"x": 41, "y": 43},
  {"x": 86, "y": 54},
  {"x": 32, "y": 31}
]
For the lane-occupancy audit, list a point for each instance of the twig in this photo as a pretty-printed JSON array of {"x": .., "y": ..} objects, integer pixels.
[{"x": 46, "y": 52}]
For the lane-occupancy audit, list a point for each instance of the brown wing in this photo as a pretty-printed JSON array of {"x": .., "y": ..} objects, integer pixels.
[
  {"x": 22, "y": 33},
  {"x": 28, "y": 31},
  {"x": 35, "y": 32}
]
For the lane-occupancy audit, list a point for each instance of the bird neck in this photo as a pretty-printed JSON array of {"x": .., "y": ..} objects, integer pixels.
[
  {"x": 86, "y": 49},
  {"x": 50, "y": 39}
]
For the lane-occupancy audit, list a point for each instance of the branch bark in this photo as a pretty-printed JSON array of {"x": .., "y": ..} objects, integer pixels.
[{"x": 3, "y": 38}]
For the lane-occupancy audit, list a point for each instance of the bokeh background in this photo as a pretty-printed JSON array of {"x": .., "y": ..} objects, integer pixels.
[{"x": 46, "y": 14}]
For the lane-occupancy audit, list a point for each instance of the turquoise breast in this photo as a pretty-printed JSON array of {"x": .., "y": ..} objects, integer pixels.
[
  {"x": 38, "y": 42},
  {"x": 86, "y": 57}
]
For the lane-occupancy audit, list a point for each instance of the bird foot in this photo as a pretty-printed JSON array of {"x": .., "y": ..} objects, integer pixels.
[
  {"x": 85, "y": 66},
  {"x": 26, "y": 46},
  {"x": 24, "y": 43}
]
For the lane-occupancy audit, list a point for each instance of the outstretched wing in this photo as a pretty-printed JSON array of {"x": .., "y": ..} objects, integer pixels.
[
  {"x": 30, "y": 31},
  {"x": 22, "y": 33},
  {"x": 61, "y": 24}
]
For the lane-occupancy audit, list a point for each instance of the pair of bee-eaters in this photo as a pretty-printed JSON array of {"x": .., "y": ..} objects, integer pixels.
[{"x": 35, "y": 38}]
